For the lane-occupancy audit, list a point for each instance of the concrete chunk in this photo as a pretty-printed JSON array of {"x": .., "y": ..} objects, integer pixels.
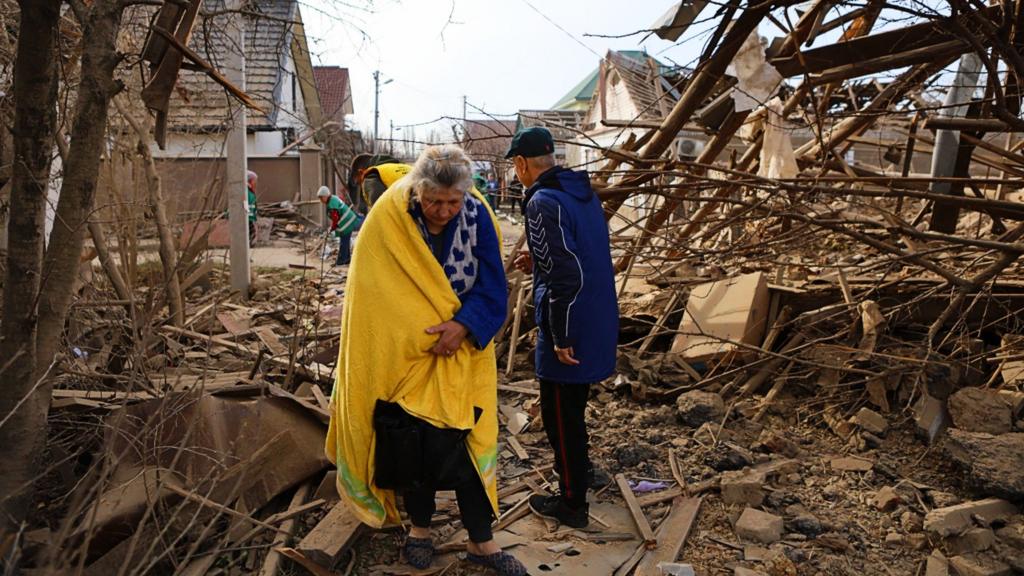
[
  {"x": 978, "y": 566},
  {"x": 871, "y": 421},
  {"x": 973, "y": 540},
  {"x": 743, "y": 487},
  {"x": 886, "y": 498},
  {"x": 852, "y": 464},
  {"x": 980, "y": 410},
  {"x": 931, "y": 416},
  {"x": 697, "y": 407},
  {"x": 994, "y": 462},
  {"x": 958, "y": 519},
  {"x": 937, "y": 565},
  {"x": 757, "y": 526}
]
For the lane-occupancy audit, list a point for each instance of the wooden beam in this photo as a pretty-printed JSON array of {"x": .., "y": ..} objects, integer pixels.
[
  {"x": 672, "y": 534},
  {"x": 638, "y": 514},
  {"x": 890, "y": 62},
  {"x": 312, "y": 370},
  {"x": 875, "y": 46},
  {"x": 970, "y": 124},
  {"x": 329, "y": 539}
]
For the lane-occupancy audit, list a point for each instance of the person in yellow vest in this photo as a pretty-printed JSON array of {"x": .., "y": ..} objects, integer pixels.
[{"x": 371, "y": 175}]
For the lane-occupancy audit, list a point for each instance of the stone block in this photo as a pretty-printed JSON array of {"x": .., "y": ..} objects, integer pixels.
[
  {"x": 852, "y": 464},
  {"x": 936, "y": 565},
  {"x": 994, "y": 462},
  {"x": 886, "y": 499},
  {"x": 972, "y": 565},
  {"x": 697, "y": 407},
  {"x": 973, "y": 540},
  {"x": 958, "y": 519},
  {"x": 743, "y": 487},
  {"x": 757, "y": 526},
  {"x": 980, "y": 410},
  {"x": 871, "y": 421},
  {"x": 931, "y": 416},
  {"x": 1012, "y": 535}
]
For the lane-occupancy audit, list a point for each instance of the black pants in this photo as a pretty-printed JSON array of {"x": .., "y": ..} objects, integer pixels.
[
  {"x": 474, "y": 506},
  {"x": 563, "y": 408},
  {"x": 344, "y": 250}
]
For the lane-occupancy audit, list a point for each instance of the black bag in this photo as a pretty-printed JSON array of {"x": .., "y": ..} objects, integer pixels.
[{"x": 412, "y": 454}]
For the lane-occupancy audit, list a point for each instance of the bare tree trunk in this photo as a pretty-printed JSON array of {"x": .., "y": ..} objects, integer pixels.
[
  {"x": 99, "y": 240},
  {"x": 22, "y": 410},
  {"x": 168, "y": 252},
  {"x": 81, "y": 172}
]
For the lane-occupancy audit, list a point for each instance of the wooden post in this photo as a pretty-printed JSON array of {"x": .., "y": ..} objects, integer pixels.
[{"x": 236, "y": 164}]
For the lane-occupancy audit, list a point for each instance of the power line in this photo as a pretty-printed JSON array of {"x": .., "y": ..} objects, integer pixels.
[{"x": 566, "y": 32}]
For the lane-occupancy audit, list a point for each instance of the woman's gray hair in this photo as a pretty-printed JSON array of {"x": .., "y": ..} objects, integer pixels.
[{"x": 443, "y": 166}]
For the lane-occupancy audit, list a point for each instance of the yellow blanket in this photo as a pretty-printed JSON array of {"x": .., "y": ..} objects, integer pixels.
[{"x": 395, "y": 291}]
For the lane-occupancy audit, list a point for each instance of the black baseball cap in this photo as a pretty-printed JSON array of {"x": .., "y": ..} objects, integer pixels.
[{"x": 531, "y": 142}]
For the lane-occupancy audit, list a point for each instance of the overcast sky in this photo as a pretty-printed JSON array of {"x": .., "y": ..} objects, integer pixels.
[{"x": 502, "y": 55}]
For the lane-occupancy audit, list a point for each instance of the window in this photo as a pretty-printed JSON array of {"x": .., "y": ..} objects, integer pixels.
[{"x": 295, "y": 99}]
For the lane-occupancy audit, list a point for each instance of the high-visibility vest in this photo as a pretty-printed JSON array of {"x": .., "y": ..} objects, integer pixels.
[{"x": 389, "y": 173}]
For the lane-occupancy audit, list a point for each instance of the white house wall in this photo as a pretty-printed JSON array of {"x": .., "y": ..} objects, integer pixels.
[
  {"x": 212, "y": 145},
  {"x": 292, "y": 108}
]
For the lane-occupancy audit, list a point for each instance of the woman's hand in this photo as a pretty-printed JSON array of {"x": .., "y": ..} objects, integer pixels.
[{"x": 452, "y": 334}]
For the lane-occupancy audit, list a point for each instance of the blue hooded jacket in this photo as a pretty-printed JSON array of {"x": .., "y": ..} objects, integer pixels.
[{"x": 573, "y": 280}]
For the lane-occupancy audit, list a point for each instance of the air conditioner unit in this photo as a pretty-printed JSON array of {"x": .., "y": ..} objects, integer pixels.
[{"x": 688, "y": 148}]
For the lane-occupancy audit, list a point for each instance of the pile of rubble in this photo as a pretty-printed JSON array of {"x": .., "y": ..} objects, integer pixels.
[{"x": 812, "y": 379}]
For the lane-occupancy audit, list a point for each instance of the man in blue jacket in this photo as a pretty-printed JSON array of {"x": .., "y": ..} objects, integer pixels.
[{"x": 576, "y": 310}]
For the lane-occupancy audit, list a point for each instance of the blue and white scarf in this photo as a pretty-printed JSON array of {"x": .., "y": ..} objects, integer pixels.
[{"x": 461, "y": 266}]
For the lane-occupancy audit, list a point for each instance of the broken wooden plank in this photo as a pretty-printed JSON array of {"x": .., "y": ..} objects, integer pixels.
[
  {"x": 516, "y": 447},
  {"x": 672, "y": 534},
  {"x": 516, "y": 323},
  {"x": 309, "y": 369},
  {"x": 203, "y": 270},
  {"x": 518, "y": 389},
  {"x": 660, "y": 324},
  {"x": 101, "y": 395},
  {"x": 272, "y": 562},
  {"x": 301, "y": 559},
  {"x": 638, "y": 514},
  {"x": 233, "y": 322},
  {"x": 329, "y": 539},
  {"x": 321, "y": 399},
  {"x": 271, "y": 341},
  {"x": 517, "y": 511}
]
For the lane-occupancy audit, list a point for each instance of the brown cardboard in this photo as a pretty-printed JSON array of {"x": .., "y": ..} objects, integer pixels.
[{"x": 734, "y": 309}]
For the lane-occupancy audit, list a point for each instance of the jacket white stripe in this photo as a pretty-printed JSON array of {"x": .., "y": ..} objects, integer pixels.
[{"x": 568, "y": 310}]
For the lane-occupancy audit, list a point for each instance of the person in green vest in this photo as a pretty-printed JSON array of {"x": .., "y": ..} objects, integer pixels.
[
  {"x": 343, "y": 221},
  {"x": 250, "y": 201}
]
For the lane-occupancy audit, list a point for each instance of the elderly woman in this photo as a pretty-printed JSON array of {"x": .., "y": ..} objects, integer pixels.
[{"x": 414, "y": 409}]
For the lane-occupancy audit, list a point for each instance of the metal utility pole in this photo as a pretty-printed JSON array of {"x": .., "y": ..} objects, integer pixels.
[
  {"x": 947, "y": 142},
  {"x": 376, "y": 103},
  {"x": 376, "y": 106},
  {"x": 236, "y": 164},
  {"x": 391, "y": 138}
]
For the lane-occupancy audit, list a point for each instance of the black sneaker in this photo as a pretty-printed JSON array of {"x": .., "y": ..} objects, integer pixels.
[{"x": 555, "y": 508}]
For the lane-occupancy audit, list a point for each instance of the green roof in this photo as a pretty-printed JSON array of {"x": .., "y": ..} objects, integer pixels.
[{"x": 581, "y": 94}]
